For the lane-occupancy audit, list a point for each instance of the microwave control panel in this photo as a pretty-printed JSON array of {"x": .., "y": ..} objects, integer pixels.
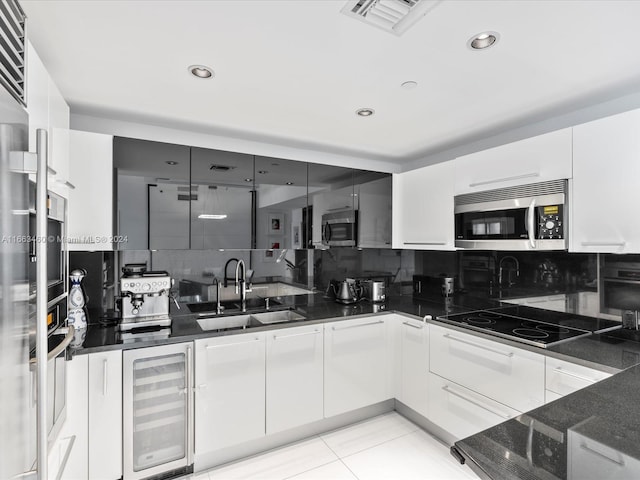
[{"x": 550, "y": 222}]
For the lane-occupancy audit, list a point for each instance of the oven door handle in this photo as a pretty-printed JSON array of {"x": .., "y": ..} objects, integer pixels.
[
  {"x": 531, "y": 223},
  {"x": 61, "y": 346}
]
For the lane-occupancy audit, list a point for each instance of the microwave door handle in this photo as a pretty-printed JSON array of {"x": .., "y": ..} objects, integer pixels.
[
  {"x": 531, "y": 223},
  {"x": 327, "y": 232}
]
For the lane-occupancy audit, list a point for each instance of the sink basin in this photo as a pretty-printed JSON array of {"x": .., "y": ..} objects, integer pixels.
[
  {"x": 230, "y": 305},
  {"x": 232, "y": 322},
  {"x": 267, "y": 318}
]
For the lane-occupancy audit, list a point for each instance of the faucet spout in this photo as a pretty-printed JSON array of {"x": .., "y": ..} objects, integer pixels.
[{"x": 516, "y": 263}]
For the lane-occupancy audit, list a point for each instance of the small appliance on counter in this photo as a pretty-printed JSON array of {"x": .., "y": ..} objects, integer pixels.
[
  {"x": 429, "y": 286},
  {"x": 145, "y": 297},
  {"x": 346, "y": 292},
  {"x": 375, "y": 291}
]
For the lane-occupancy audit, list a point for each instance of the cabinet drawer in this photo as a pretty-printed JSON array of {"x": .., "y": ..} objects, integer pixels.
[
  {"x": 507, "y": 374},
  {"x": 462, "y": 412},
  {"x": 565, "y": 377}
]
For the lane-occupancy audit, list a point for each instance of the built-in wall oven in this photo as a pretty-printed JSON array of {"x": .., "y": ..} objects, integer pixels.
[
  {"x": 340, "y": 229},
  {"x": 620, "y": 282},
  {"x": 526, "y": 217}
]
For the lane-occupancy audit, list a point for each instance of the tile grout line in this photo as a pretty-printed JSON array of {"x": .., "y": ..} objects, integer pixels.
[
  {"x": 339, "y": 458},
  {"x": 318, "y": 466},
  {"x": 378, "y": 444}
]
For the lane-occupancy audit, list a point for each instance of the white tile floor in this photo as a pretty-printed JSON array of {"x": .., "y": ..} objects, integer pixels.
[{"x": 385, "y": 447}]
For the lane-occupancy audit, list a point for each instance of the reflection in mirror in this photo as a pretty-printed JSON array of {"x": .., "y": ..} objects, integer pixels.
[
  {"x": 221, "y": 202},
  {"x": 281, "y": 189},
  {"x": 330, "y": 190},
  {"x": 372, "y": 199},
  {"x": 152, "y": 193}
]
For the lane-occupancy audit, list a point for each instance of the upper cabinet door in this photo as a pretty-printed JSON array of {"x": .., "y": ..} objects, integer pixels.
[
  {"x": 152, "y": 208},
  {"x": 423, "y": 208},
  {"x": 372, "y": 194},
  {"x": 533, "y": 160},
  {"x": 221, "y": 199},
  {"x": 606, "y": 173},
  {"x": 281, "y": 199}
]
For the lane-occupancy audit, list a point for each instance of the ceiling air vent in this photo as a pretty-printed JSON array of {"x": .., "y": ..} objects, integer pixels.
[
  {"x": 221, "y": 168},
  {"x": 394, "y": 16},
  {"x": 12, "y": 48}
]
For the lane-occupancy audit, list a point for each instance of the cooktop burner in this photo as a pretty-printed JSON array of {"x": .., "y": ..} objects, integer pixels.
[{"x": 532, "y": 332}]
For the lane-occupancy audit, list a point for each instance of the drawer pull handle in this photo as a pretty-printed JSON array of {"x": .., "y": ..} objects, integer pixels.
[
  {"x": 447, "y": 389},
  {"x": 579, "y": 377},
  {"x": 602, "y": 455},
  {"x": 603, "y": 244},
  {"x": 409, "y": 324},
  {"x": 358, "y": 325},
  {"x": 425, "y": 243},
  {"x": 451, "y": 337},
  {"x": 279, "y": 337},
  {"x": 233, "y": 344},
  {"x": 505, "y": 179}
]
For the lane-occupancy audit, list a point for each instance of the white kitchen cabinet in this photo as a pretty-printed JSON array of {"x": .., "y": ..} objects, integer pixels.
[
  {"x": 294, "y": 377},
  {"x": 373, "y": 202},
  {"x": 563, "y": 378},
  {"x": 230, "y": 391},
  {"x": 595, "y": 451},
  {"x": 423, "y": 208},
  {"x": 605, "y": 194},
  {"x": 557, "y": 303},
  {"x": 37, "y": 95},
  {"x": 533, "y": 160},
  {"x": 507, "y": 374},
  {"x": 358, "y": 361},
  {"x": 90, "y": 225},
  {"x": 463, "y": 412},
  {"x": 48, "y": 110},
  {"x": 105, "y": 415},
  {"x": 68, "y": 454},
  {"x": 414, "y": 345}
]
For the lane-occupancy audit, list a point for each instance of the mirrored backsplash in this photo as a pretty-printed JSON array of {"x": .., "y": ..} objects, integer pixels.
[{"x": 487, "y": 274}]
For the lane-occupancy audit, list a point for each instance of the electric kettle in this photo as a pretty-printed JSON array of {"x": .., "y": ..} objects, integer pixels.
[{"x": 347, "y": 292}]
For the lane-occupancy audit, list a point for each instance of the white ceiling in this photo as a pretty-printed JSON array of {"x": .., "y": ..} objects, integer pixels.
[{"x": 294, "y": 72}]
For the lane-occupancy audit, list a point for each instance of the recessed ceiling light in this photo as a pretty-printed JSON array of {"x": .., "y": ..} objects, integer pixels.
[
  {"x": 262, "y": 172},
  {"x": 483, "y": 40},
  {"x": 171, "y": 162},
  {"x": 289, "y": 183},
  {"x": 248, "y": 179},
  {"x": 409, "y": 85},
  {"x": 200, "y": 71},
  {"x": 365, "y": 112},
  {"x": 209, "y": 216}
]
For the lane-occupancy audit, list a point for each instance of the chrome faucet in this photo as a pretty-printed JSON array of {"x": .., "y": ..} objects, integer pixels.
[
  {"x": 241, "y": 284},
  {"x": 500, "y": 269}
]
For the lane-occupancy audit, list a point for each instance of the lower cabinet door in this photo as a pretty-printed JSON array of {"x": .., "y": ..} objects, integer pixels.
[
  {"x": 105, "y": 415},
  {"x": 510, "y": 375},
  {"x": 357, "y": 359},
  {"x": 414, "y": 336},
  {"x": 230, "y": 387},
  {"x": 462, "y": 412},
  {"x": 564, "y": 378},
  {"x": 294, "y": 377}
]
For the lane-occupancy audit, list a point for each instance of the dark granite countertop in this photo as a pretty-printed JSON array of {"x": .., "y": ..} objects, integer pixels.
[{"x": 598, "y": 426}]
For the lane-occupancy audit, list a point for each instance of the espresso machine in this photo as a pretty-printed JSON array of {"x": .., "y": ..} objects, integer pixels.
[{"x": 145, "y": 297}]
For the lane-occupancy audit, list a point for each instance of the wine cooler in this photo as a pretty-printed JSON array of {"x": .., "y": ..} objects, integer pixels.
[{"x": 158, "y": 409}]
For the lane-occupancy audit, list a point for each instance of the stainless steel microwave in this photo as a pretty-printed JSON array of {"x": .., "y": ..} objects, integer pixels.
[
  {"x": 525, "y": 217},
  {"x": 340, "y": 229}
]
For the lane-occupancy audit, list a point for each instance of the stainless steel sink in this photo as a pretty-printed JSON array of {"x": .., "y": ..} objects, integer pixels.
[
  {"x": 228, "y": 322},
  {"x": 281, "y": 316}
]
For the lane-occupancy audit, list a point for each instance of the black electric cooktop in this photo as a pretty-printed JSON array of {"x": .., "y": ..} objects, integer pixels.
[{"x": 530, "y": 331}]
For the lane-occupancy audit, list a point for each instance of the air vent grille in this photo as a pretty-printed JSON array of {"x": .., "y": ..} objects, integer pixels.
[
  {"x": 12, "y": 49},
  {"x": 394, "y": 16},
  {"x": 509, "y": 193}
]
